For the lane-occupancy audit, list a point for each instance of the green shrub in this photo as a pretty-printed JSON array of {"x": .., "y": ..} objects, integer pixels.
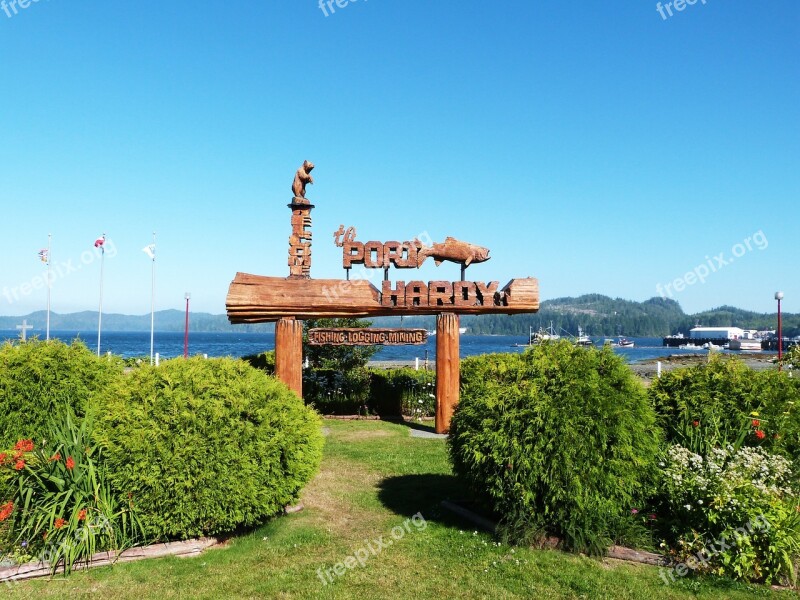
[
  {"x": 337, "y": 392},
  {"x": 264, "y": 361},
  {"x": 792, "y": 357},
  {"x": 561, "y": 440},
  {"x": 38, "y": 378},
  {"x": 360, "y": 391},
  {"x": 206, "y": 446},
  {"x": 731, "y": 512},
  {"x": 404, "y": 391},
  {"x": 723, "y": 399}
]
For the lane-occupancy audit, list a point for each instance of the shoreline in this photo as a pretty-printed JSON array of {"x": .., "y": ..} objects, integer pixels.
[{"x": 647, "y": 369}]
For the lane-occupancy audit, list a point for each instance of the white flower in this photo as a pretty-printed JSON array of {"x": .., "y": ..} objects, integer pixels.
[{"x": 700, "y": 502}]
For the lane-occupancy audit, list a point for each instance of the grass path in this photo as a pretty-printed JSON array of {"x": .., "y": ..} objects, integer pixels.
[{"x": 374, "y": 478}]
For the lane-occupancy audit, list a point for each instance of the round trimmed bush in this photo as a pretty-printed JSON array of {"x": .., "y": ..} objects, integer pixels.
[
  {"x": 37, "y": 377},
  {"x": 206, "y": 446},
  {"x": 559, "y": 440}
]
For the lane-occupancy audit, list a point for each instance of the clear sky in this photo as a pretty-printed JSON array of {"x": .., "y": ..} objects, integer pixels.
[{"x": 599, "y": 146}]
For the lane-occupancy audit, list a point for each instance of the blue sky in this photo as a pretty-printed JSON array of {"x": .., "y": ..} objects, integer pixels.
[{"x": 597, "y": 146}]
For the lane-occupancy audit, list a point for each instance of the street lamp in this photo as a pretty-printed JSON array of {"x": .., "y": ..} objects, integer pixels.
[
  {"x": 188, "y": 296},
  {"x": 779, "y": 297}
]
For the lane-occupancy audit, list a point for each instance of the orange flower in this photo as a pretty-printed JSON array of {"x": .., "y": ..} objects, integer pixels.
[
  {"x": 55, "y": 458},
  {"x": 24, "y": 446},
  {"x": 760, "y": 434},
  {"x": 3, "y": 457},
  {"x": 756, "y": 422},
  {"x": 82, "y": 514},
  {"x": 19, "y": 465},
  {"x": 70, "y": 463},
  {"x": 6, "y": 510},
  {"x": 59, "y": 523}
]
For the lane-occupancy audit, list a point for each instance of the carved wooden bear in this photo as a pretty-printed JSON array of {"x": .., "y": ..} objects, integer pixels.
[{"x": 301, "y": 178}]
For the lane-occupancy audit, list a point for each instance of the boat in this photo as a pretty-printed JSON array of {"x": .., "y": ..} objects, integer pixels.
[
  {"x": 543, "y": 335},
  {"x": 689, "y": 347},
  {"x": 621, "y": 342},
  {"x": 625, "y": 343},
  {"x": 583, "y": 339},
  {"x": 746, "y": 345},
  {"x": 461, "y": 330}
]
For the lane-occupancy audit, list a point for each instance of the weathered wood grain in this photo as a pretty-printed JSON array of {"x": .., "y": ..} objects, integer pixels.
[
  {"x": 448, "y": 368},
  {"x": 289, "y": 353},
  {"x": 102, "y": 559},
  {"x": 257, "y": 299}
]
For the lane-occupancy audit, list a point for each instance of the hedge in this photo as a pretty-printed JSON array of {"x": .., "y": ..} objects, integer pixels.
[
  {"x": 722, "y": 400},
  {"x": 207, "y": 446},
  {"x": 559, "y": 440},
  {"x": 37, "y": 378}
]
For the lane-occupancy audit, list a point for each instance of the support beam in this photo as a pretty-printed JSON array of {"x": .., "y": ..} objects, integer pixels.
[
  {"x": 448, "y": 369},
  {"x": 256, "y": 299},
  {"x": 289, "y": 353}
]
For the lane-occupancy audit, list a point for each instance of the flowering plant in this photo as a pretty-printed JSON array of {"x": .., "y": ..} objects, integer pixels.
[
  {"x": 731, "y": 511},
  {"x": 57, "y": 504}
]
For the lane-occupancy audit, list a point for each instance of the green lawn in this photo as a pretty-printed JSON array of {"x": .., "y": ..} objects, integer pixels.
[{"x": 374, "y": 478}]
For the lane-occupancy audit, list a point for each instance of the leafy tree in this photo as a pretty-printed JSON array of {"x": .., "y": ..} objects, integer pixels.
[{"x": 341, "y": 358}]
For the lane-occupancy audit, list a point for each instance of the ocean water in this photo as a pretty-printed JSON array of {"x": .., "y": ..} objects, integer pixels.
[{"x": 170, "y": 345}]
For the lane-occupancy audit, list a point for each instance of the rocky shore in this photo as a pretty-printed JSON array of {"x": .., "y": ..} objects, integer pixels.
[{"x": 647, "y": 370}]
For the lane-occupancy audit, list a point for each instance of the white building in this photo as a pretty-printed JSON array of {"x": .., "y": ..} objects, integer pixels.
[{"x": 716, "y": 333}]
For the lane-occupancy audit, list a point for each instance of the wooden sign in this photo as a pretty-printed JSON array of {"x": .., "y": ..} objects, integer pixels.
[
  {"x": 258, "y": 299},
  {"x": 404, "y": 255},
  {"x": 367, "y": 337}
]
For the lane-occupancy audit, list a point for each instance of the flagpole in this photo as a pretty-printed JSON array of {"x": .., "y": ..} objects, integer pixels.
[
  {"x": 100, "y": 312},
  {"x": 49, "y": 281},
  {"x": 153, "y": 299}
]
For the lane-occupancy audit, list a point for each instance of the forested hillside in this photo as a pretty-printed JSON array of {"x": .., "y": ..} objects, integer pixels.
[{"x": 600, "y": 315}]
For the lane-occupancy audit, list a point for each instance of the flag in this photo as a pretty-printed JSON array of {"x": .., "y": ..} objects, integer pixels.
[
  {"x": 150, "y": 250},
  {"x": 43, "y": 255},
  {"x": 98, "y": 243}
]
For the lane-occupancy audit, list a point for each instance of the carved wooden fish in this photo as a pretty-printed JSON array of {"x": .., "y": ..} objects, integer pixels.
[{"x": 455, "y": 251}]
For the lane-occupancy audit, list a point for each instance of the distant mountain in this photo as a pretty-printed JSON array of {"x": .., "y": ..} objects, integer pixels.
[
  {"x": 596, "y": 314},
  {"x": 165, "y": 320}
]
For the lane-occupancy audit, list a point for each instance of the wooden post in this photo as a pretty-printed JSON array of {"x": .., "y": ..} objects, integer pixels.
[
  {"x": 448, "y": 369},
  {"x": 289, "y": 353}
]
